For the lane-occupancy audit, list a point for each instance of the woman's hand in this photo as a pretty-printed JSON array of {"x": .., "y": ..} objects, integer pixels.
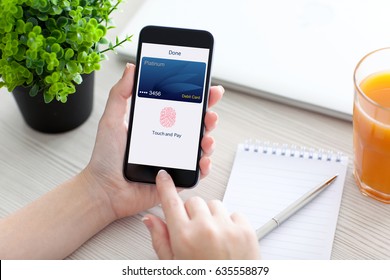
[{"x": 105, "y": 168}]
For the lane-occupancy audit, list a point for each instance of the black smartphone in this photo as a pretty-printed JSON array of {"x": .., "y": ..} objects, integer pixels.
[{"x": 168, "y": 105}]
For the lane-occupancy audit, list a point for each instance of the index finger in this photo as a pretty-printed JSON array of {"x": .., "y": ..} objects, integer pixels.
[
  {"x": 216, "y": 93},
  {"x": 172, "y": 205}
]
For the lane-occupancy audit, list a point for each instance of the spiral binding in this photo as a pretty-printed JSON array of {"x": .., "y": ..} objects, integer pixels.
[{"x": 266, "y": 147}]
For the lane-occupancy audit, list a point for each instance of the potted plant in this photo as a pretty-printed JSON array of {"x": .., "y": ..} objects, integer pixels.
[{"x": 49, "y": 50}]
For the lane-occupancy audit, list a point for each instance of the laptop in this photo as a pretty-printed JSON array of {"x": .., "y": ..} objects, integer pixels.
[{"x": 298, "y": 52}]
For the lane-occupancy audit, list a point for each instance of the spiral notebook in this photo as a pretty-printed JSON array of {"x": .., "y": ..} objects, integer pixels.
[{"x": 266, "y": 178}]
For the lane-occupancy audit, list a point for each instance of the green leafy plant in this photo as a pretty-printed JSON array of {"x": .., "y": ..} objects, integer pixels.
[{"x": 47, "y": 45}]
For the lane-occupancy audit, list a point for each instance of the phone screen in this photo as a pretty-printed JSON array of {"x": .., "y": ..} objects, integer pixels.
[{"x": 168, "y": 106}]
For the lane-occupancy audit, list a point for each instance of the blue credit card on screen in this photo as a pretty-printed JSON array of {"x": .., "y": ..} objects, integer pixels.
[{"x": 170, "y": 79}]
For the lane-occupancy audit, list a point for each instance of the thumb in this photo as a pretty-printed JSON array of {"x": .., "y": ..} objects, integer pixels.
[
  {"x": 116, "y": 105},
  {"x": 160, "y": 237}
]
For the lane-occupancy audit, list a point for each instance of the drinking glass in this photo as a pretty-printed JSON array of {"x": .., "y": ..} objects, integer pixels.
[{"x": 371, "y": 125}]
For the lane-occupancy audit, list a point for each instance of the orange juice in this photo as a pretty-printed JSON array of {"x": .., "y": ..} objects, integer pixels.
[{"x": 371, "y": 128}]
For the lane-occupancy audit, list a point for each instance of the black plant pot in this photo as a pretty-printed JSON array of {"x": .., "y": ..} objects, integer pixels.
[{"x": 56, "y": 117}]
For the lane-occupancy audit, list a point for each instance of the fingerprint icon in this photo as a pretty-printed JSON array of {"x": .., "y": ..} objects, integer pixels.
[{"x": 168, "y": 117}]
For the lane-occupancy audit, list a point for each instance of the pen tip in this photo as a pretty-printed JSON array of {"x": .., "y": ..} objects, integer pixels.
[{"x": 333, "y": 178}]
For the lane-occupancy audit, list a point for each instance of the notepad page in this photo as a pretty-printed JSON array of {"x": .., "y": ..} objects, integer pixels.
[{"x": 263, "y": 183}]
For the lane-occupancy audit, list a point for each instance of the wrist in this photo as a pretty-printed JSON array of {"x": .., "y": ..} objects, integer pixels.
[{"x": 98, "y": 197}]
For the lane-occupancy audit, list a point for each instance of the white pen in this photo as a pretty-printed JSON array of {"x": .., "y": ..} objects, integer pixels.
[{"x": 292, "y": 208}]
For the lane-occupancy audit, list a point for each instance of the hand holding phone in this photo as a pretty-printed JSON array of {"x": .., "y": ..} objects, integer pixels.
[{"x": 169, "y": 102}]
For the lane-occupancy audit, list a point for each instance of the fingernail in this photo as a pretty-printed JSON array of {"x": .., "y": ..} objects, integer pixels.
[
  {"x": 222, "y": 89},
  {"x": 128, "y": 65},
  {"x": 163, "y": 175},
  {"x": 147, "y": 222},
  {"x": 217, "y": 121}
]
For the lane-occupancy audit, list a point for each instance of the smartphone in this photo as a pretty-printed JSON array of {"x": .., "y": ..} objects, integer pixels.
[{"x": 168, "y": 105}]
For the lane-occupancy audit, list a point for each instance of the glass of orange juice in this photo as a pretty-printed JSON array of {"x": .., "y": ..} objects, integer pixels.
[{"x": 371, "y": 125}]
